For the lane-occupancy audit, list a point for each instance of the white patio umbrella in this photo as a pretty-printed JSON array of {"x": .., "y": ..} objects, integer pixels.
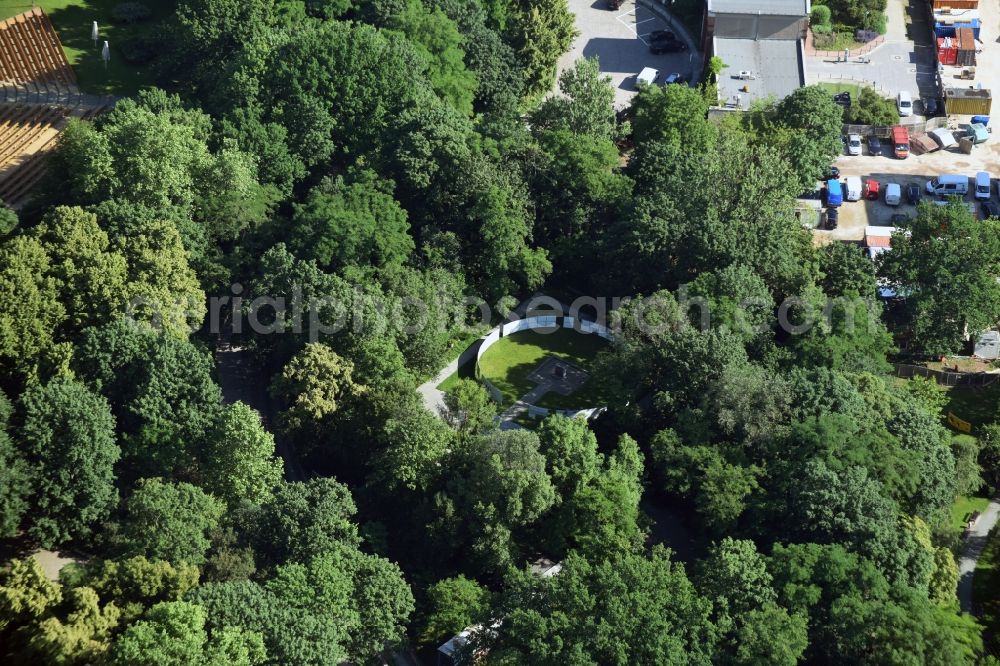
[{"x": 95, "y": 33}]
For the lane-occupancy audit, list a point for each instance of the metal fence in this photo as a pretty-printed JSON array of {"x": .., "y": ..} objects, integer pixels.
[
  {"x": 946, "y": 378},
  {"x": 915, "y": 129}
]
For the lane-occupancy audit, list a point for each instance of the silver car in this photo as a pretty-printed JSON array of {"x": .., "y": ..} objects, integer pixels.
[{"x": 853, "y": 144}]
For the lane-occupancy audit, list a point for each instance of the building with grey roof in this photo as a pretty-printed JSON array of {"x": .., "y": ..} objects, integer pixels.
[
  {"x": 757, "y": 69},
  {"x": 762, "y": 44},
  {"x": 767, "y": 7}
]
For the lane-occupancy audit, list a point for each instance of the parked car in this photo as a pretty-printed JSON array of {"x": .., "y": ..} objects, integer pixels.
[
  {"x": 930, "y": 107},
  {"x": 831, "y": 218},
  {"x": 899, "y": 219},
  {"x": 674, "y": 77},
  {"x": 662, "y": 35},
  {"x": 904, "y": 103},
  {"x": 854, "y": 144},
  {"x": 989, "y": 209},
  {"x": 984, "y": 186},
  {"x": 832, "y": 172},
  {"x": 659, "y": 46},
  {"x": 893, "y": 195},
  {"x": 843, "y": 99},
  {"x": 871, "y": 190},
  {"x": 912, "y": 194},
  {"x": 874, "y": 145}
]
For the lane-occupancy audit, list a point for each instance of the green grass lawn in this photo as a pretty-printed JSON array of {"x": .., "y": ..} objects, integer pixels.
[
  {"x": 840, "y": 87},
  {"x": 73, "y": 20},
  {"x": 963, "y": 507},
  {"x": 986, "y": 593},
  {"x": 509, "y": 362},
  {"x": 467, "y": 371}
]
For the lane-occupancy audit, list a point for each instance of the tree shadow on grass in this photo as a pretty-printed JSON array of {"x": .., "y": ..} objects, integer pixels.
[{"x": 74, "y": 23}]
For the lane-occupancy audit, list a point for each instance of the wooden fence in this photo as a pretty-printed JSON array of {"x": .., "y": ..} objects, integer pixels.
[{"x": 945, "y": 377}]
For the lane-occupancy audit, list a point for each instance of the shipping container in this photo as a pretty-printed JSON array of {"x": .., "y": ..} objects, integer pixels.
[
  {"x": 968, "y": 101},
  {"x": 950, "y": 29},
  {"x": 966, "y": 50},
  {"x": 947, "y": 50},
  {"x": 955, "y": 4},
  {"x": 956, "y": 15}
]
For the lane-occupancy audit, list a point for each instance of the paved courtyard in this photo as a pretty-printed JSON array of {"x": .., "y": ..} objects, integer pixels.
[
  {"x": 617, "y": 39},
  {"x": 898, "y": 64},
  {"x": 559, "y": 376}
]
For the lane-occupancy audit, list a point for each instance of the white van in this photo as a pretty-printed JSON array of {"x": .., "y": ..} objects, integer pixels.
[
  {"x": 949, "y": 185},
  {"x": 648, "y": 75},
  {"x": 893, "y": 194},
  {"x": 904, "y": 103},
  {"x": 853, "y": 191},
  {"x": 984, "y": 186}
]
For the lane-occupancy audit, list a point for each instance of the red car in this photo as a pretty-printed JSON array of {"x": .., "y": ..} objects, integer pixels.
[{"x": 871, "y": 190}]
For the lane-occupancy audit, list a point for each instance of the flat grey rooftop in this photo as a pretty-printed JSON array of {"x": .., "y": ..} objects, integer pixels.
[
  {"x": 777, "y": 65},
  {"x": 763, "y": 7}
]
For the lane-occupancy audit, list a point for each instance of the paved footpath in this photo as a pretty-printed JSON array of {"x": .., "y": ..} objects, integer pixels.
[
  {"x": 429, "y": 393},
  {"x": 507, "y": 421},
  {"x": 975, "y": 541}
]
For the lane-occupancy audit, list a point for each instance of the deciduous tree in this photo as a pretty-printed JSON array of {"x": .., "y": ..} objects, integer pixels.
[
  {"x": 240, "y": 462},
  {"x": 168, "y": 521},
  {"x": 68, "y": 437},
  {"x": 950, "y": 294}
]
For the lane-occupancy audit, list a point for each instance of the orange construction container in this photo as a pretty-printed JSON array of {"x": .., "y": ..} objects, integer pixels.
[
  {"x": 955, "y": 4},
  {"x": 966, "y": 53}
]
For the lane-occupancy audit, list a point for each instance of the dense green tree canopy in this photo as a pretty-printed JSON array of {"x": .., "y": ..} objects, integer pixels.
[
  {"x": 280, "y": 252},
  {"x": 168, "y": 521},
  {"x": 657, "y": 615},
  {"x": 68, "y": 439},
  {"x": 240, "y": 458},
  {"x": 173, "y": 633},
  {"x": 355, "y": 223},
  {"x": 15, "y": 483},
  {"x": 946, "y": 262}
]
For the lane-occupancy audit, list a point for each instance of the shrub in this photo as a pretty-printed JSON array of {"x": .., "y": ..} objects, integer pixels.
[
  {"x": 138, "y": 50},
  {"x": 130, "y": 12},
  {"x": 824, "y": 40},
  {"x": 820, "y": 17},
  {"x": 819, "y": 29},
  {"x": 870, "y": 108},
  {"x": 876, "y": 22}
]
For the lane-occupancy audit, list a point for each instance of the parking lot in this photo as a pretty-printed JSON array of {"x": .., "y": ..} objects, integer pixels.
[
  {"x": 617, "y": 39},
  {"x": 855, "y": 215}
]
